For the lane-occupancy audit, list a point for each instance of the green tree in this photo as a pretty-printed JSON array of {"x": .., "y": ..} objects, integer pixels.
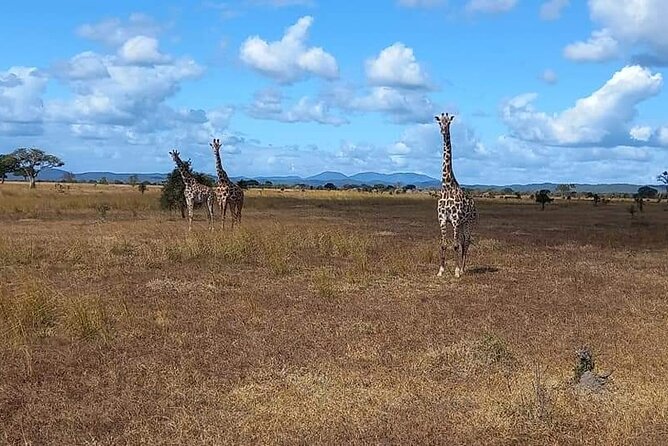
[
  {"x": 565, "y": 189},
  {"x": 543, "y": 197},
  {"x": 172, "y": 189},
  {"x": 142, "y": 186},
  {"x": 329, "y": 186},
  {"x": 245, "y": 184},
  {"x": 103, "y": 180},
  {"x": 133, "y": 180},
  {"x": 8, "y": 164},
  {"x": 31, "y": 161},
  {"x": 647, "y": 192}
]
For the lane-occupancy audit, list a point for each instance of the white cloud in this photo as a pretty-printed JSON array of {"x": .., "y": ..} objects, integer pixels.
[
  {"x": 289, "y": 59},
  {"x": 115, "y": 32},
  {"x": 641, "y": 133},
  {"x": 599, "y": 119},
  {"x": 21, "y": 106},
  {"x": 551, "y": 9},
  {"x": 396, "y": 66},
  {"x": 600, "y": 47},
  {"x": 420, "y": 3},
  {"x": 662, "y": 136},
  {"x": 635, "y": 24},
  {"x": 142, "y": 50},
  {"x": 86, "y": 65},
  {"x": 268, "y": 104},
  {"x": 400, "y": 106},
  {"x": 549, "y": 76},
  {"x": 635, "y": 21},
  {"x": 490, "y": 6}
]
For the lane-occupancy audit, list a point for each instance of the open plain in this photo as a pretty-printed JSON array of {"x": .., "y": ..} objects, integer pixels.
[{"x": 321, "y": 320}]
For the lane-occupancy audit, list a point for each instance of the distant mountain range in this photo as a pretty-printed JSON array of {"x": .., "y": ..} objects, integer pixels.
[{"x": 339, "y": 179}]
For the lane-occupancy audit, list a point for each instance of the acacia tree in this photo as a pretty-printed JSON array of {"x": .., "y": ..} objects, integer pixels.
[
  {"x": 663, "y": 178},
  {"x": 7, "y": 165},
  {"x": 31, "y": 161},
  {"x": 543, "y": 197},
  {"x": 172, "y": 189}
]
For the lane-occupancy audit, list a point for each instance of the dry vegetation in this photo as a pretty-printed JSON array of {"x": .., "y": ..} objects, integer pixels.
[{"x": 322, "y": 321}]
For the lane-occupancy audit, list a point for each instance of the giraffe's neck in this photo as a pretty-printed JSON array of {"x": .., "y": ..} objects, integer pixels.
[
  {"x": 188, "y": 179},
  {"x": 448, "y": 178},
  {"x": 222, "y": 175}
]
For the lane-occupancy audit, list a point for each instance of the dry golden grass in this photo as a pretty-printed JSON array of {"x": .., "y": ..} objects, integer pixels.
[{"x": 321, "y": 320}]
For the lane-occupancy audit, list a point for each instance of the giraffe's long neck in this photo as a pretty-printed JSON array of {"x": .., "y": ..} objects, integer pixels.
[
  {"x": 222, "y": 175},
  {"x": 188, "y": 179},
  {"x": 448, "y": 178}
]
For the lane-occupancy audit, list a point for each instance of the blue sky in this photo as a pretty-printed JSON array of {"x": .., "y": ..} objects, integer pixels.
[{"x": 550, "y": 90}]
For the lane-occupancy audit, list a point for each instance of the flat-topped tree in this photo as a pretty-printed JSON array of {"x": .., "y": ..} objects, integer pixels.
[
  {"x": 663, "y": 178},
  {"x": 31, "y": 161}
]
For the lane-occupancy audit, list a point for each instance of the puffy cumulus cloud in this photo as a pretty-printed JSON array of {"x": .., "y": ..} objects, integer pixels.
[
  {"x": 396, "y": 66},
  {"x": 551, "y": 9},
  {"x": 600, "y": 47},
  {"x": 83, "y": 66},
  {"x": 635, "y": 21},
  {"x": 268, "y": 104},
  {"x": 662, "y": 136},
  {"x": 21, "y": 105},
  {"x": 420, "y": 3},
  {"x": 636, "y": 24},
  {"x": 289, "y": 59},
  {"x": 398, "y": 105},
  {"x": 490, "y": 6},
  {"x": 115, "y": 32},
  {"x": 599, "y": 119},
  {"x": 641, "y": 133},
  {"x": 119, "y": 91},
  {"x": 549, "y": 76},
  {"x": 142, "y": 50}
]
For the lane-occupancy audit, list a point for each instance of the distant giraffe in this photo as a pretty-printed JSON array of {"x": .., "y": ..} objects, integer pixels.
[
  {"x": 454, "y": 207},
  {"x": 194, "y": 192},
  {"x": 227, "y": 192}
]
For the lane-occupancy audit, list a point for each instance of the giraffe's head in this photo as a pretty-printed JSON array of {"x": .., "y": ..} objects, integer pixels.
[
  {"x": 175, "y": 155},
  {"x": 215, "y": 145},
  {"x": 444, "y": 120}
]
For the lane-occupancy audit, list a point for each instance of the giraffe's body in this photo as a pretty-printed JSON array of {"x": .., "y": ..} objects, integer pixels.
[
  {"x": 454, "y": 207},
  {"x": 194, "y": 192},
  {"x": 227, "y": 193}
]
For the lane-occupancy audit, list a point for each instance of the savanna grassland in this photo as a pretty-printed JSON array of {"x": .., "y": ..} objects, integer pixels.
[{"x": 321, "y": 320}]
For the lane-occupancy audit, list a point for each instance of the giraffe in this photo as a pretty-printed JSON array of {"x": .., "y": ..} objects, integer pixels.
[
  {"x": 194, "y": 192},
  {"x": 227, "y": 192},
  {"x": 454, "y": 207}
]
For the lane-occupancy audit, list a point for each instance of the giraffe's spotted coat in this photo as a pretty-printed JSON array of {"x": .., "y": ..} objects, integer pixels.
[
  {"x": 455, "y": 208},
  {"x": 194, "y": 192},
  {"x": 227, "y": 193}
]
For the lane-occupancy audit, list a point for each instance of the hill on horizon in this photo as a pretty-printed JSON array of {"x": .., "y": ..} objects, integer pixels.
[{"x": 339, "y": 179}]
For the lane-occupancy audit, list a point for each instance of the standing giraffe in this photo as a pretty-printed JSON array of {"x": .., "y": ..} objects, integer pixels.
[
  {"x": 227, "y": 192},
  {"x": 454, "y": 207},
  {"x": 194, "y": 192}
]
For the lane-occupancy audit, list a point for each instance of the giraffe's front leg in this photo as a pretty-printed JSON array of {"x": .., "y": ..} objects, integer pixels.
[
  {"x": 459, "y": 251},
  {"x": 442, "y": 252},
  {"x": 190, "y": 206}
]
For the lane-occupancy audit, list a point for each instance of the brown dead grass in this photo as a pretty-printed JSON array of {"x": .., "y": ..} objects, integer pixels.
[{"x": 321, "y": 320}]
